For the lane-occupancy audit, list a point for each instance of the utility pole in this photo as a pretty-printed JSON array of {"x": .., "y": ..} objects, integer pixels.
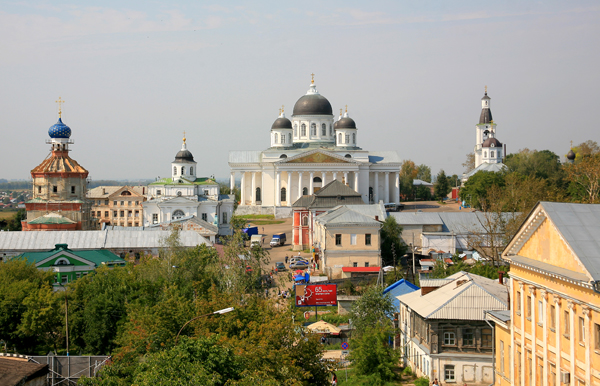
[{"x": 67, "y": 318}]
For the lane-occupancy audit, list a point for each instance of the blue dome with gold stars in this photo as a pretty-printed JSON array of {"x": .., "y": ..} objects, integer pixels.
[{"x": 59, "y": 130}]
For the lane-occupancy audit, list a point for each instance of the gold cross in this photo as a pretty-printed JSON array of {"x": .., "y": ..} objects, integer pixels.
[
  {"x": 60, "y": 101},
  {"x": 281, "y": 109},
  {"x": 313, "y": 78},
  {"x": 346, "y": 108},
  {"x": 486, "y": 89},
  {"x": 184, "y": 137},
  {"x": 341, "y": 112}
]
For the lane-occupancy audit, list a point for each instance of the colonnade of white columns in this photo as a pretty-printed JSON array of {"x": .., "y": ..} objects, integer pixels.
[{"x": 386, "y": 195}]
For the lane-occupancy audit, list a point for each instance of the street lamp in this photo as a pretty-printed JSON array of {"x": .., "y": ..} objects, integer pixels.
[{"x": 220, "y": 312}]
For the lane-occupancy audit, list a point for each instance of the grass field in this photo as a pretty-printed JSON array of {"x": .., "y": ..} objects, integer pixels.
[
  {"x": 257, "y": 217},
  {"x": 7, "y": 214},
  {"x": 266, "y": 222}
]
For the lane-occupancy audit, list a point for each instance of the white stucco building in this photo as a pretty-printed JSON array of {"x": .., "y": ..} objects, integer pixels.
[
  {"x": 306, "y": 153},
  {"x": 184, "y": 194},
  {"x": 489, "y": 151}
]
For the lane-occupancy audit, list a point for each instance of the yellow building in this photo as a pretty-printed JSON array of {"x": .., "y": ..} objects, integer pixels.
[
  {"x": 118, "y": 205},
  {"x": 348, "y": 238},
  {"x": 555, "y": 304}
]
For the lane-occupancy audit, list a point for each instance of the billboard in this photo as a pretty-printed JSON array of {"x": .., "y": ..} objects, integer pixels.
[{"x": 310, "y": 295}]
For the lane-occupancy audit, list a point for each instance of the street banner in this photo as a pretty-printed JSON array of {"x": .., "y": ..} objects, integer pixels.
[{"x": 310, "y": 295}]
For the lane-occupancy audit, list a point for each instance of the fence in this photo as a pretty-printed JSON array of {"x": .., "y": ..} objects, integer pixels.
[{"x": 66, "y": 370}]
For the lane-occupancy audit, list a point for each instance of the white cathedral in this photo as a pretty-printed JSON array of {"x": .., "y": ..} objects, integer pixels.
[
  {"x": 488, "y": 151},
  {"x": 307, "y": 152},
  {"x": 184, "y": 195}
]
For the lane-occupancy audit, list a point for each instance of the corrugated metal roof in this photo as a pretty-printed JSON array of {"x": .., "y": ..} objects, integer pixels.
[
  {"x": 433, "y": 282},
  {"x": 417, "y": 218},
  {"x": 399, "y": 288},
  {"x": 371, "y": 210},
  {"x": 331, "y": 195},
  {"x": 44, "y": 241},
  {"x": 486, "y": 167},
  {"x": 244, "y": 156},
  {"x": 345, "y": 216},
  {"x": 503, "y": 315},
  {"x": 466, "y": 301},
  {"x": 579, "y": 224},
  {"x": 383, "y": 157},
  {"x": 468, "y": 222}
]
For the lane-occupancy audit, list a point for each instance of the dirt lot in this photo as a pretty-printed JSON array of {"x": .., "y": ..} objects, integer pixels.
[{"x": 434, "y": 206}]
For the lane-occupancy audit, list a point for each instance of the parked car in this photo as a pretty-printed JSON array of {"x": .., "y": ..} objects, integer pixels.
[
  {"x": 280, "y": 267},
  {"x": 297, "y": 258},
  {"x": 300, "y": 264}
]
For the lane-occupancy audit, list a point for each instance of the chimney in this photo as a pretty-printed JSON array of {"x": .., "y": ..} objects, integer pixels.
[
  {"x": 500, "y": 277},
  {"x": 376, "y": 218},
  {"x": 103, "y": 191},
  {"x": 143, "y": 190}
]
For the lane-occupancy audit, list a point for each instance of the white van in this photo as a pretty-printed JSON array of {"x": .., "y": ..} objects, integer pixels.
[{"x": 257, "y": 240}]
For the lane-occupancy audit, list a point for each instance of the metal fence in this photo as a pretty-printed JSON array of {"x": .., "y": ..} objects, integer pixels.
[{"x": 66, "y": 370}]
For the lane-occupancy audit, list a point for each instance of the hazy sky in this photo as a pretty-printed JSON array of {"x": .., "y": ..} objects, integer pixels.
[{"x": 136, "y": 74}]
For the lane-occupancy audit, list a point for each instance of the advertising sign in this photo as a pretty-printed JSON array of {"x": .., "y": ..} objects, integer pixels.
[{"x": 310, "y": 295}]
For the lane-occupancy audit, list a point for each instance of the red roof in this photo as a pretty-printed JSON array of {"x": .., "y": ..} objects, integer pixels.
[{"x": 361, "y": 269}]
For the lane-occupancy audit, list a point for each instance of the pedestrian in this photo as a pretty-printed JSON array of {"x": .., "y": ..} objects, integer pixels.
[
  {"x": 435, "y": 382},
  {"x": 334, "y": 380},
  {"x": 266, "y": 292},
  {"x": 286, "y": 259}
]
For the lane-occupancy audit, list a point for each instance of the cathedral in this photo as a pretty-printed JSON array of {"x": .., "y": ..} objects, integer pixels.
[
  {"x": 59, "y": 188},
  {"x": 489, "y": 151},
  {"x": 185, "y": 196},
  {"x": 306, "y": 153}
]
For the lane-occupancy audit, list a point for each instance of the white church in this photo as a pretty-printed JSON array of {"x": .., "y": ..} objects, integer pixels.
[
  {"x": 307, "y": 152},
  {"x": 184, "y": 195},
  {"x": 489, "y": 152}
]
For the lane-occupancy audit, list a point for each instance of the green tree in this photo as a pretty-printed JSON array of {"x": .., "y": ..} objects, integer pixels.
[
  {"x": 391, "y": 241},
  {"x": 408, "y": 172},
  {"x": 423, "y": 173},
  {"x": 372, "y": 355},
  {"x": 373, "y": 309},
  {"x": 44, "y": 318},
  {"x": 441, "y": 188},
  {"x": 476, "y": 188},
  {"x": 469, "y": 163},
  {"x": 584, "y": 178}
]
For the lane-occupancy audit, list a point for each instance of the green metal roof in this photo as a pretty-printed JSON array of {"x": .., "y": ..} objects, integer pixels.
[
  {"x": 51, "y": 218},
  {"x": 95, "y": 256},
  {"x": 184, "y": 181}
]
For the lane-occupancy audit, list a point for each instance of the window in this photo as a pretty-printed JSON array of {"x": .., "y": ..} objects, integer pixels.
[
  {"x": 303, "y": 130},
  {"x": 485, "y": 154},
  {"x": 154, "y": 218},
  {"x": 283, "y": 195},
  {"x": 129, "y": 203},
  {"x": 178, "y": 214},
  {"x": 468, "y": 337},
  {"x": 567, "y": 323},
  {"x": 206, "y": 192},
  {"x": 114, "y": 203},
  {"x": 323, "y": 129},
  {"x": 175, "y": 170},
  {"x": 55, "y": 189},
  {"x": 355, "y": 265},
  {"x": 338, "y": 239},
  {"x": 449, "y": 373},
  {"x": 39, "y": 189},
  {"x": 366, "y": 264},
  {"x": 191, "y": 170},
  {"x": 129, "y": 213},
  {"x": 486, "y": 337},
  {"x": 305, "y": 191},
  {"x": 501, "y": 357},
  {"x": 276, "y": 138},
  {"x": 368, "y": 239},
  {"x": 347, "y": 138},
  {"x": 492, "y": 154},
  {"x": 305, "y": 221},
  {"x": 352, "y": 239},
  {"x": 72, "y": 190},
  {"x": 449, "y": 337},
  {"x": 182, "y": 170},
  {"x": 114, "y": 213},
  {"x": 597, "y": 337},
  {"x": 519, "y": 302},
  {"x": 528, "y": 305},
  {"x": 122, "y": 214},
  {"x": 224, "y": 218},
  {"x": 158, "y": 192},
  {"x": 581, "y": 330},
  {"x": 313, "y": 129},
  {"x": 137, "y": 213},
  {"x": 540, "y": 315},
  {"x": 137, "y": 203},
  {"x": 122, "y": 203},
  {"x": 354, "y": 138},
  {"x": 258, "y": 197},
  {"x": 340, "y": 139},
  {"x": 330, "y": 130},
  {"x": 290, "y": 138},
  {"x": 106, "y": 213},
  {"x": 552, "y": 375},
  {"x": 552, "y": 317},
  {"x": 204, "y": 217},
  {"x": 94, "y": 213},
  {"x": 282, "y": 138},
  {"x": 105, "y": 202},
  {"x": 295, "y": 130}
]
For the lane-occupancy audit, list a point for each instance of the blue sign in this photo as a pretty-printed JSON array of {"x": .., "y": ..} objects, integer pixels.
[{"x": 345, "y": 346}]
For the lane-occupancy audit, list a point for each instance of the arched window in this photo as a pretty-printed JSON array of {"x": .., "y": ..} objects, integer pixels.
[
  {"x": 182, "y": 170},
  {"x": 295, "y": 129},
  {"x": 174, "y": 170},
  {"x": 283, "y": 194},
  {"x": 62, "y": 261},
  {"x": 347, "y": 138},
  {"x": 282, "y": 138},
  {"x": 276, "y": 138},
  {"x": 485, "y": 154},
  {"x": 323, "y": 129},
  {"x": 317, "y": 179},
  {"x": 313, "y": 129},
  {"x": 330, "y": 130},
  {"x": 191, "y": 170},
  {"x": 125, "y": 193},
  {"x": 348, "y": 156},
  {"x": 258, "y": 198},
  {"x": 283, "y": 156},
  {"x": 492, "y": 154},
  {"x": 305, "y": 191},
  {"x": 340, "y": 139},
  {"x": 178, "y": 214},
  {"x": 303, "y": 131},
  {"x": 305, "y": 221},
  {"x": 354, "y": 138},
  {"x": 290, "y": 138}
]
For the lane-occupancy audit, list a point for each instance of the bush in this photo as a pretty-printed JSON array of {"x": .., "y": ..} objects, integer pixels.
[
  {"x": 407, "y": 371},
  {"x": 422, "y": 381}
]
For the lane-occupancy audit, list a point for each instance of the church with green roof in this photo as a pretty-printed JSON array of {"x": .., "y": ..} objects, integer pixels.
[{"x": 69, "y": 265}]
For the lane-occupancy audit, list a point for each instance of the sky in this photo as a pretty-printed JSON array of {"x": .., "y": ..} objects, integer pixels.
[{"x": 136, "y": 74}]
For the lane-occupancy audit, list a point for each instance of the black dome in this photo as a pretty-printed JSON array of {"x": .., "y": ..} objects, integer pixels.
[
  {"x": 346, "y": 123},
  {"x": 184, "y": 156},
  {"x": 282, "y": 123},
  {"x": 571, "y": 155},
  {"x": 492, "y": 141},
  {"x": 313, "y": 104}
]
